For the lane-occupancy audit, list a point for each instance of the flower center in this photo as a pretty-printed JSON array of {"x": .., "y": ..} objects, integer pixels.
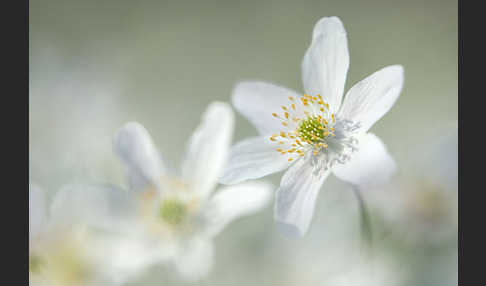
[
  {"x": 308, "y": 133},
  {"x": 309, "y": 127},
  {"x": 35, "y": 263},
  {"x": 313, "y": 129},
  {"x": 173, "y": 211},
  {"x": 61, "y": 262}
]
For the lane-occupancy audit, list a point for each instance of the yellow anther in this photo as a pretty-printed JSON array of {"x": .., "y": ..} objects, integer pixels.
[
  {"x": 273, "y": 139},
  {"x": 333, "y": 118},
  {"x": 279, "y": 149},
  {"x": 283, "y": 134},
  {"x": 284, "y": 108},
  {"x": 284, "y": 123},
  {"x": 322, "y": 109},
  {"x": 290, "y": 159},
  {"x": 275, "y": 114},
  {"x": 286, "y": 115},
  {"x": 293, "y": 106},
  {"x": 291, "y": 98}
]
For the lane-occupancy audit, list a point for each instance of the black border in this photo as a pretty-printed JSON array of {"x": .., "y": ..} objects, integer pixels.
[{"x": 14, "y": 213}]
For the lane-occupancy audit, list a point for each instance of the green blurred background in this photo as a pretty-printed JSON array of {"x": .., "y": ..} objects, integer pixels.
[{"x": 95, "y": 65}]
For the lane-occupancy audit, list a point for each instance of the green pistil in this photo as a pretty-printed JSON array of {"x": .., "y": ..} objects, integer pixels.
[
  {"x": 173, "y": 211},
  {"x": 311, "y": 129}
]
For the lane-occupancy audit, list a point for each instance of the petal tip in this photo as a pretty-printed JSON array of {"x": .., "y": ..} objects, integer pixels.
[
  {"x": 240, "y": 89},
  {"x": 219, "y": 106},
  {"x": 222, "y": 111},
  {"x": 129, "y": 129},
  {"x": 397, "y": 69},
  {"x": 328, "y": 25}
]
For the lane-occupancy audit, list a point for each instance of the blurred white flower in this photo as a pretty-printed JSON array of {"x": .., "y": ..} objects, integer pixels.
[
  {"x": 62, "y": 249},
  {"x": 422, "y": 207},
  {"x": 314, "y": 133},
  {"x": 167, "y": 217}
]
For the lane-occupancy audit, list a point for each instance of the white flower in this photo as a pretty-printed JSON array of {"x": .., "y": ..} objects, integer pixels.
[
  {"x": 62, "y": 249},
  {"x": 422, "y": 207},
  {"x": 167, "y": 217},
  {"x": 315, "y": 133}
]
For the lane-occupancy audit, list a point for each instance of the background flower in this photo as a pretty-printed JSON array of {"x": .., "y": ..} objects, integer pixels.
[
  {"x": 64, "y": 248},
  {"x": 167, "y": 216}
]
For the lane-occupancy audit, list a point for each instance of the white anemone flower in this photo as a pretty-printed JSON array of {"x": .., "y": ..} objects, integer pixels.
[
  {"x": 315, "y": 133},
  {"x": 62, "y": 248},
  {"x": 167, "y": 217}
]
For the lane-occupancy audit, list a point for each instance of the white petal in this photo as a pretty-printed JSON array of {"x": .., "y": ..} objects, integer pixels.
[
  {"x": 195, "y": 259},
  {"x": 208, "y": 148},
  {"x": 101, "y": 206},
  {"x": 368, "y": 100},
  {"x": 251, "y": 159},
  {"x": 37, "y": 211},
  {"x": 133, "y": 144},
  {"x": 370, "y": 166},
  {"x": 296, "y": 197},
  {"x": 236, "y": 201},
  {"x": 258, "y": 100},
  {"x": 326, "y": 62}
]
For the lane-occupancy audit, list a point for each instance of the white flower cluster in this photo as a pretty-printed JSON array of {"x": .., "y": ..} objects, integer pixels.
[{"x": 98, "y": 234}]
